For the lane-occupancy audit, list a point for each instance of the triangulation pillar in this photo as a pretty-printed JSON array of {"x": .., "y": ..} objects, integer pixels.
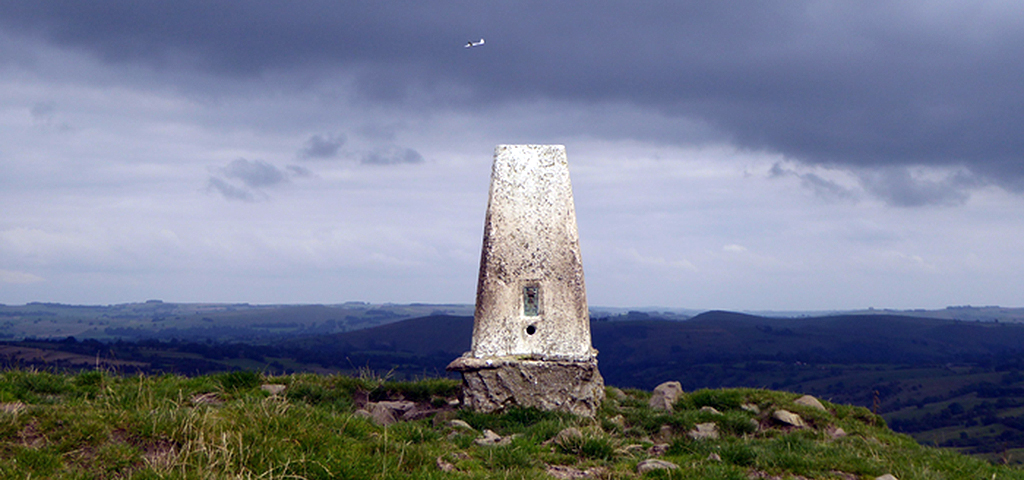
[{"x": 531, "y": 329}]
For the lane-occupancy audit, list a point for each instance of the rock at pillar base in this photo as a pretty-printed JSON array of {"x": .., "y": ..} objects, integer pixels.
[{"x": 498, "y": 383}]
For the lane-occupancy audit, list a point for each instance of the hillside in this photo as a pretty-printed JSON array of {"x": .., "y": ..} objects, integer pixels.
[
  {"x": 949, "y": 383},
  {"x": 244, "y": 425}
]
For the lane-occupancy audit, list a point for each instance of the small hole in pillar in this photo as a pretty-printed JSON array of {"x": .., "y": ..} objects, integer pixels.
[{"x": 532, "y": 329}]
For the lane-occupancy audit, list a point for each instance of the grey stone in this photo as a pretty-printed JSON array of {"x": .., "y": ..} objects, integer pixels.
[
  {"x": 562, "y": 472},
  {"x": 704, "y": 431},
  {"x": 654, "y": 464},
  {"x": 460, "y": 424},
  {"x": 714, "y": 457},
  {"x": 887, "y": 476},
  {"x": 494, "y": 385},
  {"x": 444, "y": 465},
  {"x": 711, "y": 410},
  {"x": 750, "y": 407},
  {"x": 273, "y": 388},
  {"x": 490, "y": 438},
  {"x": 789, "y": 418},
  {"x": 658, "y": 449},
  {"x": 386, "y": 413},
  {"x": 665, "y": 395},
  {"x": 664, "y": 435},
  {"x": 809, "y": 401},
  {"x": 836, "y": 432}
]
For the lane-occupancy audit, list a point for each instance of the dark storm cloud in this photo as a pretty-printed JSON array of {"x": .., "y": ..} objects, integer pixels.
[
  {"x": 898, "y": 187},
  {"x": 322, "y": 146},
  {"x": 392, "y": 156},
  {"x": 857, "y": 85}
]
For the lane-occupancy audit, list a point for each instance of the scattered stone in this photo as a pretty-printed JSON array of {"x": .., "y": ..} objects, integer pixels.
[
  {"x": 386, "y": 413},
  {"x": 664, "y": 435},
  {"x": 273, "y": 388},
  {"x": 809, "y": 401},
  {"x": 704, "y": 431},
  {"x": 665, "y": 395},
  {"x": 361, "y": 413},
  {"x": 563, "y": 472},
  {"x": 887, "y": 476},
  {"x": 658, "y": 449},
  {"x": 445, "y": 466},
  {"x": 490, "y": 439},
  {"x": 454, "y": 402},
  {"x": 789, "y": 418},
  {"x": 714, "y": 457},
  {"x": 460, "y": 424},
  {"x": 654, "y": 464},
  {"x": 835, "y": 432},
  {"x": 750, "y": 407},
  {"x": 618, "y": 420},
  {"x": 419, "y": 413},
  {"x": 711, "y": 410},
  {"x": 381, "y": 415}
]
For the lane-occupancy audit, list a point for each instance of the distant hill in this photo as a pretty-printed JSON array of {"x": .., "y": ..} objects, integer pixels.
[{"x": 644, "y": 353}]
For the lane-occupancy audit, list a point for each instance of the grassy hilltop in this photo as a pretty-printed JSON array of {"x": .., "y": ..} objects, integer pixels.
[{"x": 235, "y": 425}]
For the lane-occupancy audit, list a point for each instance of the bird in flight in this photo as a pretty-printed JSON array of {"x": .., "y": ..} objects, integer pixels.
[{"x": 472, "y": 44}]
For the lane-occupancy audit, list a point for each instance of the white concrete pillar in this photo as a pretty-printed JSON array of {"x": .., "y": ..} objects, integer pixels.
[{"x": 531, "y": 299}]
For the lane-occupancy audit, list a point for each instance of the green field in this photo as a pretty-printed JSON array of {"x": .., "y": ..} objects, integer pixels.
[{"x": 98, "y": 425}]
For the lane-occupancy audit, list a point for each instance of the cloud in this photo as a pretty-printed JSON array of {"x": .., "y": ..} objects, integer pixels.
[
  {"x": 254, "y": 173},
  {"x": 42, "y": 112},
  {"x": 825, "y": 83},
  {"x": 250, "y": 178},
  {"x": 897, "y": 186},
  {"x": 230, "y": 192},
  {"x": 44, "y": 115},
  {"x": 299, "y": 171},
  {"x": 821, "y": 187},
  {"x": 392, "y": 156},
  {"x": 322, "y": 146},
  {"x": 10, "y": 276}
]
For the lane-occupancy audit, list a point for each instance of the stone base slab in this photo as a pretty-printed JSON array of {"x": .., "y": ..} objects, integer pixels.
[{"x": 498, "y": 383}]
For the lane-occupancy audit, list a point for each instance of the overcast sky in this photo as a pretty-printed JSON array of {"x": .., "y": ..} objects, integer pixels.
[{"x": 788, "y": 155}]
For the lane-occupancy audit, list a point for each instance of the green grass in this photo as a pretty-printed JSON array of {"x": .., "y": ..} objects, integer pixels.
[{"x": 99, "y": 425}]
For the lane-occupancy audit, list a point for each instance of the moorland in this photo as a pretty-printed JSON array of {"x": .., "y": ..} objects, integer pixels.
[{"x": 949, "y": 378}]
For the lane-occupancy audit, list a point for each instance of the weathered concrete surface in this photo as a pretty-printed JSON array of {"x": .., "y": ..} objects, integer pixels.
[
  {"x": 531, "y": 328},
  {"x": 531, "y": 242},
  {"x": 495, "y": 384}
]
